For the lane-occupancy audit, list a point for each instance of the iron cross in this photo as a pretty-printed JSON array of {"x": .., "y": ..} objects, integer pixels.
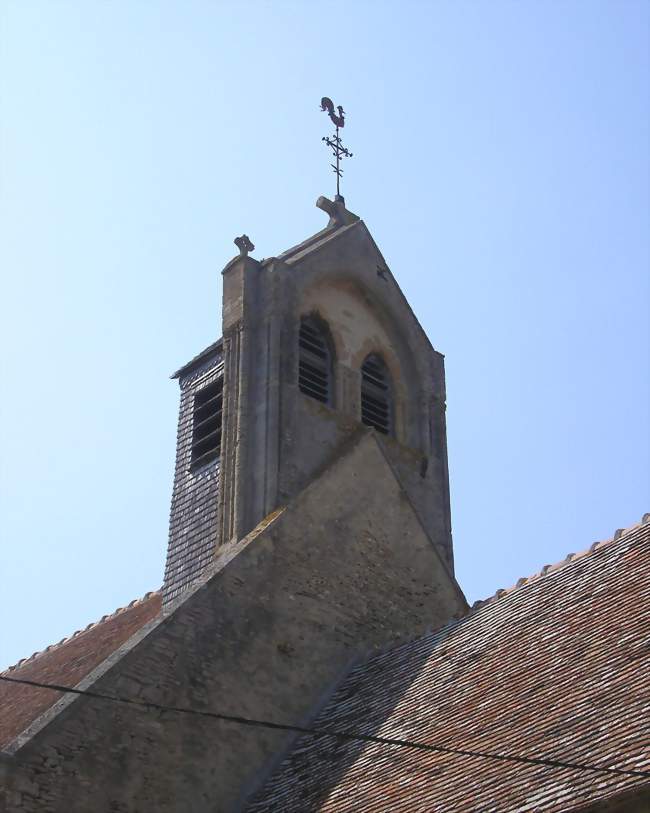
[{"x": 338, "y": 150}]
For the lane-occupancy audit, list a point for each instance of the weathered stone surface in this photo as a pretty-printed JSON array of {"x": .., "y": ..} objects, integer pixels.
[
  {"x": 281, "y": 438},
  {"x": 344, "y": 568},
  {"x": 275, "y": 438},
  {"x": 557, "y": 667}
]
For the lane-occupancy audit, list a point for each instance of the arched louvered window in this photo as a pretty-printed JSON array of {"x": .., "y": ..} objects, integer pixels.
[
  {"x": 314, "y": 362},
  {"x": 376, "y": 395}
]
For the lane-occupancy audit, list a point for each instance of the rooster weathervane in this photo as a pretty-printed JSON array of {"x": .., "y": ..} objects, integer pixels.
[{"x": 335, "y": 143}]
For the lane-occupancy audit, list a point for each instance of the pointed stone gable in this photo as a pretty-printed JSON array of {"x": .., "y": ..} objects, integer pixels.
[
  {"x": 276, "y": 438},
  {"x": 309, "y": 581},
  {"x": 267, "y": 633},
  {"x": 273, "y": 437}
]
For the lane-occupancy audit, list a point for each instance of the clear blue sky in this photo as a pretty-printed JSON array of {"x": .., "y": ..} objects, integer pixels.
[{"x": 502, "y": 164}]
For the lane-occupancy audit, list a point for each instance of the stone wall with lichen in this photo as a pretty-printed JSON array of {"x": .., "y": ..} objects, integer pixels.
[{"x": 267, "y": 633}]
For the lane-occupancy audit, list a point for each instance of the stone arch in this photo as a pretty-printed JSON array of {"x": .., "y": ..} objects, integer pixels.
[{"x": 362, "y": 323}]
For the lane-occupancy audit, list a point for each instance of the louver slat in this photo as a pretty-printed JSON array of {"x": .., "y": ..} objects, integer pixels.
[
  {"x": 375, "y": 396},
  {"x": 207, "y": 425},
  {"x": 313, "y": 364}
]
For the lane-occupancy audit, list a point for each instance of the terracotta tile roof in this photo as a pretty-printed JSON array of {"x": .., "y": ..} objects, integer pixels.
[
  {"x": 558, "y": 666},
  {"x": 67, "y": 663}
]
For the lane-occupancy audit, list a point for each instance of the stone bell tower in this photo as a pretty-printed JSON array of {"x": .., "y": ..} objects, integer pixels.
[
  {"x": 335, "y": 286},
  {"x": 309, "y": 527},
  {"x": 319, "y": 347}
]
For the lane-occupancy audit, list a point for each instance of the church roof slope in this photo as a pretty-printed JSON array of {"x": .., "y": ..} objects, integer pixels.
[
  {"x": 211, "y": 350},
  {"x": 557, "y": 667},
  {"x": 67, "y": 663}
]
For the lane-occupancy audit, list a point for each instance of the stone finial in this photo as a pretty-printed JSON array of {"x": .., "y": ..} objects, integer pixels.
[
  {"x": 339, "y": 215},
  {"x": 244, "y": 245},
  {"x": 328, "y": 206}
]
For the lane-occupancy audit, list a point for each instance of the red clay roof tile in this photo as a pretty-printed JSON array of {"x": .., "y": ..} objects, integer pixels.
[
  {"x": 558, "y": 667},
  {"x": 67, "y": 663}
]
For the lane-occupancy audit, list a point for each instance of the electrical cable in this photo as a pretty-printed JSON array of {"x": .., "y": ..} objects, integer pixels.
[{"x": 338, "y": 735}]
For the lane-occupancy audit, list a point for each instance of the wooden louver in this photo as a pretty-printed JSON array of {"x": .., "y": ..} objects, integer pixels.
[
  {"x": 376, "y": 395},
  {"x": 206, "y": 430},
  {"x": 314, "y": 362}
]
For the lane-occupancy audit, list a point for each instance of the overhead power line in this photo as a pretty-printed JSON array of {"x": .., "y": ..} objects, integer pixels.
[{"x": 337, "y": 735}]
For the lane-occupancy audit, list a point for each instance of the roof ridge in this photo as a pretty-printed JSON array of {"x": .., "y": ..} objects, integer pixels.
[
  {"x": 197, "y": 359},
  {"x": 571, "y": 557},
  {"x": 78, "y": 632},
  {"x": 314, "y": 243}
]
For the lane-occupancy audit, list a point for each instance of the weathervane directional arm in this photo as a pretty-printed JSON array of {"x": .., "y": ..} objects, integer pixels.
[{"x": 335, "y": 143}]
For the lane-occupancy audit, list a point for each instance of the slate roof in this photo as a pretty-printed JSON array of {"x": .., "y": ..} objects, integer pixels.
[
  {"x": 215, "y": 349},
  {"x": 193, "y": 524},
  {"x": 67, "y": 663},
  {"x": 557, "y": 667}
]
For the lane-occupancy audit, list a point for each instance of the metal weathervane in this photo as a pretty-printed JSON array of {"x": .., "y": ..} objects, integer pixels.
[{"x": 335, "y": 143}]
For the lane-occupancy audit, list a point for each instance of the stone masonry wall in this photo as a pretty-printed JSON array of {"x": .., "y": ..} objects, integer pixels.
[
  {"x": 277, "y": 439},
  {"x": 267, "y": 634}
]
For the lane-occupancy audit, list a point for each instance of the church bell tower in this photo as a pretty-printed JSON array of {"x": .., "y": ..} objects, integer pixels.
[{"x": 319, "y": 347}]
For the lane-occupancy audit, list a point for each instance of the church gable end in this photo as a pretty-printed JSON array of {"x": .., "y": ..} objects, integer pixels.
[
  {"x": 298, "y": 330},
  {"x": 309, "y": 535},
  {"x": 317, "y": 343},
  {"x": 266, "y": 633}
]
